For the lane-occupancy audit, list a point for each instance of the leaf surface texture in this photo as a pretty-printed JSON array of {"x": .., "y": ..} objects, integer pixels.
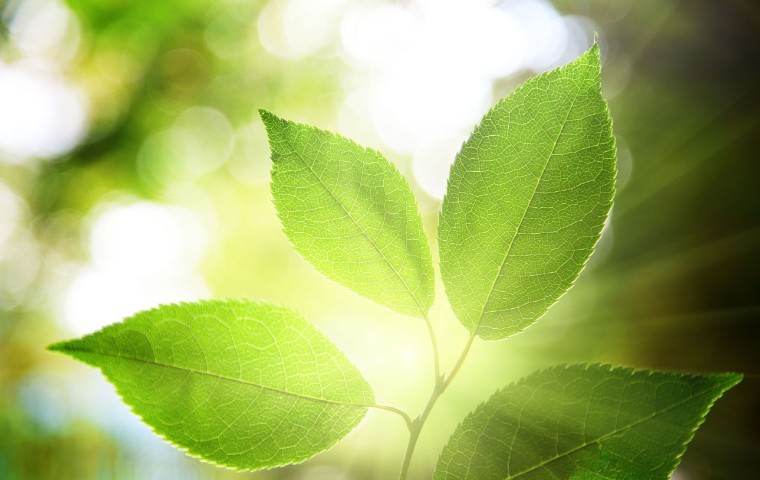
[
  {"x": 350, "y": 213},
  {"x": 527, "y": 198},
  {"x": 242, "y": 384},
  {"x": 583, "y": 422}
]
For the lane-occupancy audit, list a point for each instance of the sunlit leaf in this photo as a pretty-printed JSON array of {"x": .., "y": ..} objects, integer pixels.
[
  {"x": 583, "y": 422},
  {"x": 241, "y": 384},
  {"x": 527, "y": 198},
  {"x": 350, "y": 213}
]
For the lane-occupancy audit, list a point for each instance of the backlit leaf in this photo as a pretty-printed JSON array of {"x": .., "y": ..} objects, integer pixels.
[
  {"x": 583, "y": 422},
  {"x": 350, "y": 213},
  {"x": 527, "y": 198},
  {"x": 242, "y": 384}
]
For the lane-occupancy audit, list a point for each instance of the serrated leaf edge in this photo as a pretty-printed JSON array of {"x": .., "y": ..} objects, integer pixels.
[
  {"x": 734, "y": 377},
  {"x": 267, "y": 115},
  {"x": 58, "y": 347},
  {"x": 595, "y": 50}
]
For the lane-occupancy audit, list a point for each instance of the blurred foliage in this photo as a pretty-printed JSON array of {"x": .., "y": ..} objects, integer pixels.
[{"x": 172, "y": 89}]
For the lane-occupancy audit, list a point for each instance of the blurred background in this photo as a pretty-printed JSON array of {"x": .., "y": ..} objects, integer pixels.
[{"x": 134, "y": 171}]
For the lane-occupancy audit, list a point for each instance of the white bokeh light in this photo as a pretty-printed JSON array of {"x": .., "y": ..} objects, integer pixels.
[
  {"x": 146, "y": 239},
  {"x": 20, "y": 253},
  {"x": 431, "y": 64},
  {"x": 45, "y": 29},
  {"x": 432, "y": 161},
  {"x": 206, "y": 141},
  {"x": 12, "y": 208},
  {"x": 423, "y": 72},
  {"x": 409, "y": 357},
  {"x": 143, "y": 254},
  {"x": 373, "y": 35},
  {"x": 41, "y": 116},
  {"x": 199, "y": 142},
  {"x": 298, "y": 28},
  {"x": 419, "y": 99},
  {"x": 546, "y": 32}
]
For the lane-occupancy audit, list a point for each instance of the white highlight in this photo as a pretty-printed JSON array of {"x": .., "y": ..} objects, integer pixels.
[
  {"x": 146, "y": 239},
  {"x": 45, "y": 29},
  {"x": 298, "y": 28},
  {"x": 41, "y": 116},
  {"x": 143, "y": 254},
  {"x": 425, "y": 70},
  {"x": 408, "y": 356},
  {"x": 432, "y": 161}
]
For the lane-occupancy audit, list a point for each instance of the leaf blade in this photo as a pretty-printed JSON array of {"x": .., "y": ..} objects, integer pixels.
[
  {"x": 583, "y": 421},
  {"x": 526, "y": 200},
  {"x": 349, "y": 212},
  {"x": 215, "y": 379}
]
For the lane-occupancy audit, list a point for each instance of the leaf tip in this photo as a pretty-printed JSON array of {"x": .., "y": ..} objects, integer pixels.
[
  {"x": 269, "y": 118},
  {"x": 264, "y": 114},
  {"x": 67, "y": 347},
  {"x": 731, "y": 379},
  {"x": 594, "y": 52},
  {"x": 58, "y": 347}
]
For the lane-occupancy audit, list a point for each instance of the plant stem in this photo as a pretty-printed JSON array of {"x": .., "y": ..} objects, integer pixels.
[
  {"x": 434, "y": 345},
  {"x": 441, "y": 385},
  {"x": 415, "y": 434},
  {"x": 407, "y": 419},
  {"x": 459, "y": 363}
]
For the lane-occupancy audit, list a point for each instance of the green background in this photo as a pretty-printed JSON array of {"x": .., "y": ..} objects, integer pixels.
[{"x": 172, "y": 89}]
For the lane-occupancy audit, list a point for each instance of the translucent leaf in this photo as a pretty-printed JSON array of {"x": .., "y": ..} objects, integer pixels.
[
  {"x": 350, "y": 213},
  {"x": 583, "y": 422},
  {"x": 527, "y": 198},
  {"x": 241, "y": 384}
]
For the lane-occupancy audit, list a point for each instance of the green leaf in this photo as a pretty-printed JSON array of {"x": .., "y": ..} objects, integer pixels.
[
  {"x": 242, "y": 384},
  {"x": 527, "y": 198},
  {"x": 583, "y": 422},
  {"x": 350, "y": 213}
]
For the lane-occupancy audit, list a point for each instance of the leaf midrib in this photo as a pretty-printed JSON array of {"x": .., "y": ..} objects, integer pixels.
[
  {"x": 220, "y": 377},
  {"x": 525, "y": 212},
  {"x": 608, "y": 435},
  {"x": 361, "y": 230}
]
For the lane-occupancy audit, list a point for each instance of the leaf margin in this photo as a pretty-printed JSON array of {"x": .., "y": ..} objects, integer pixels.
[
  {"x": 423, "y": 305},
  {"x": 60, "y": 347},
  {"x": 595, "y": 51},
  {"x": 733, "y": 379}
]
